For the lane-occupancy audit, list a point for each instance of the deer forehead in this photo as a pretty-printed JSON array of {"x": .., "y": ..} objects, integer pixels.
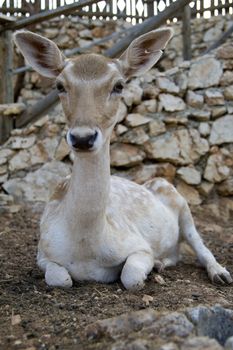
[{"x": 91, "y": 68}]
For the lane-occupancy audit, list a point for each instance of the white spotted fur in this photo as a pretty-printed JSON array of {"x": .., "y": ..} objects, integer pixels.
[{"x": 99, "y": 227}]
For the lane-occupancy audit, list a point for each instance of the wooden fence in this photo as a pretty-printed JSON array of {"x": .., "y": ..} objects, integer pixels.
[{"x": 131, "y": 10}]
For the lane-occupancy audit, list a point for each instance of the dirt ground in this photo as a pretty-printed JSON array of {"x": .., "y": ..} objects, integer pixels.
[{"x": 34, "y": 316}]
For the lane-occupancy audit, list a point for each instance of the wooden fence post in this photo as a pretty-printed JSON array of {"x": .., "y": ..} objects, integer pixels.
[
  {"x": 6, "y": 79},
  {"x": 186, "y": 33},
  {"x": 150, "y": 8},
  {"x": 6, "y": 67}
]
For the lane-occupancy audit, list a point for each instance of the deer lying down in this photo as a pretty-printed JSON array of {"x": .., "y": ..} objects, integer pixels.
[{"x": 98, "y": 227}]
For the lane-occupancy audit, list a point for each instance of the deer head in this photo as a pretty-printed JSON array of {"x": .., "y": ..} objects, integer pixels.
[{"x": 90, "y": 86}]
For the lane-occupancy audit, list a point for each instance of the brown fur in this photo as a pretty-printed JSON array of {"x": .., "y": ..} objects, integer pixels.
[
  {"x": 163, "y": 188},
  {"x": 90, "y": 66}
]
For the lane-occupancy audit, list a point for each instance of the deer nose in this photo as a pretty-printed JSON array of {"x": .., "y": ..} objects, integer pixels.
[{"x": 83, "y": 142}]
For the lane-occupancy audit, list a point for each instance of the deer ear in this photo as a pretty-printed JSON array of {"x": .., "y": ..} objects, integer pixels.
[
  {"x": 144, "y": 52},
  {"x": 41, "y": 53}
]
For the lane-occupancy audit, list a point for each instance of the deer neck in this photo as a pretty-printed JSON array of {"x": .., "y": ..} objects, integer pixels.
[{"x": 88, "y": 193}]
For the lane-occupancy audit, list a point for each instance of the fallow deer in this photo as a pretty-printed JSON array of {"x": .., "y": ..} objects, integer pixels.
[{"x": 98, "y": 227}]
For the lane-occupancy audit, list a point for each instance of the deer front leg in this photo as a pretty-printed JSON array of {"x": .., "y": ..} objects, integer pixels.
[
  {"x": 57, "y": 276},
  {"x": 137, "y": 266}
]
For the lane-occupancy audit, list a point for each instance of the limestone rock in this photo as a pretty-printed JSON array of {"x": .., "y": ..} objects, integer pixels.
[
  {"x": 205, "y": 188},
  {"x": 189, "y": 175},
  {"x": 215, "y": 322},
  {"x": 147, "y": 106},
  {"x": 38, "y": 185},
  {"x": 222, "y": 130},
  {"x": 200, "y": 114},
  {"x": 228, "y": 92},
  {"x": 227, "y": 78},
  {"x": 6, "y": 199},
  {"x": 132, "y": 94},
  {"x": 52, "y": 129},
  {"x": 182, "y": 81},
  {"x": 214, "y": 97},
  {"x": 181, "y": 146},
  {"x": 24, "y": 132},
  {"x": 21, "y": 142},
  {"x": 31, "y": 94},
  {"x": 230, "y": 108},
  {"x": 135, "y": 136},
  {"x": 225, "y": 51},
  {"x": 194, "y": 100},
  {"x": 136, "y": 119},
  {"x": 226, "y": 187},
  {"x": 169, "y": 346},
  {"x": 204, "y": 129},
  {"x": 143, "y": 173},
  {"x": 125, "y": 155},
  {"x": 176, "y": 119},
  {"x": 19, "y": 161},
  {"x": 217, "y": 169},
  {"x": 189, "y": 193},
  {"x": 121, "y": 129},
  {"x": 35, "y": 78},
  {"x": 3, "y": 169},
  {"x": 204, "y": 73},
  {"x": 212, "y": 34},
  {"x": 12, "y": 108},
  {"x": 50, "y": 145},
  {"x": 42, "y": 121},
  {"x": 218, "y": 111},
  {"x": 167, "y": 85},
  {"x": 122, "y": 112},
  {"x": 166, "y": 325},
  {"x": 156, "y": 127},
  {"x": 5, "y": 154},
  {"x": 171, "y": 103},
  {"x": 201, "y": 343},
  {"x": 150, "y": 91},
  {"x": 138, "y": 344},
  {"x": 150, "y": 76},
  {"x": 113, "y": 137},
  {"x": 120, "y": 325},
  {"x": 63, "y": 41},
  {"x": 86, "y": 34},
  {"x": 62, "y": 150},
  {"x": 172, "y": 324},
  {"x": 51, "y": 33},
  {"x": 98, "y": 32},
  {"x": 38, "y": 154},
  {"x": 151, "y": 105},
  {"x": 229, "y": 344},
  {"x": 3, "y": 178}
]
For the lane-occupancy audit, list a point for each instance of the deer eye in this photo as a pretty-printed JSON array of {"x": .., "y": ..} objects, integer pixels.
[
  {"x": 60, "y": 87},
  {"x": 118, "y": 87}
]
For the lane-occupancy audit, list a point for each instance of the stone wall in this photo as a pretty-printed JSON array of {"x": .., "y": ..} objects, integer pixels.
[
  {"x": 204, "y": 32},
  {"x": 75, "y": 32},
  {"x": 177, "y": 124}
]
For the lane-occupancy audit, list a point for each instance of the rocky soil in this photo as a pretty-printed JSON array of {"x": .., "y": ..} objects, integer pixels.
[{"x": 165, "y": 315}]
